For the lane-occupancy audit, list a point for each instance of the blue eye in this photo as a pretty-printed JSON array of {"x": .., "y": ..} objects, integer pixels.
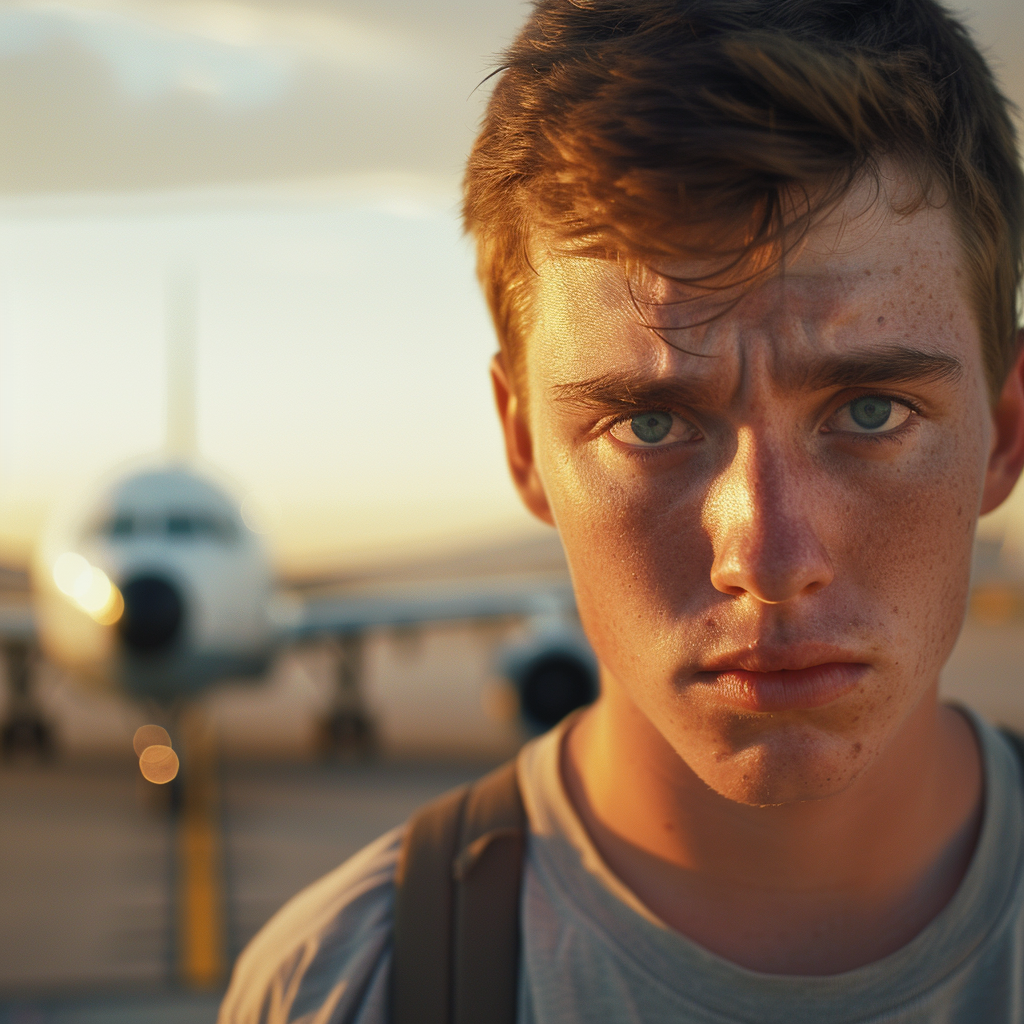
[
  {"x": 871, "y": 411},
  {"x": 870, "y": 414},
  {"x": 651, "y": 427}
]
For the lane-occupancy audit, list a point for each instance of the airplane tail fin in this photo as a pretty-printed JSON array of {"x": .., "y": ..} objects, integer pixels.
[{"x": 182, "y": 309}]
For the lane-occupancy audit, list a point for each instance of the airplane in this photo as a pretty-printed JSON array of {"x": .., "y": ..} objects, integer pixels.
[
  {"x": 159, "y": 589},
  {"x": 156, "y": 587}
]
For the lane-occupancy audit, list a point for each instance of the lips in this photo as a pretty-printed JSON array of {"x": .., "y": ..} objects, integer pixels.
[{"x": 767, "y": 684}]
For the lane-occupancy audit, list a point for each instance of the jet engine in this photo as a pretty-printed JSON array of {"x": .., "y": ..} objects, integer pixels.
[{"x": 554, "y": 673}]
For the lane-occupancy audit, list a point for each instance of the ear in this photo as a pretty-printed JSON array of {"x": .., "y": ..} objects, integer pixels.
[
  {"x": 1007, "y": 456},
  {"x": 518, "y": 443}
]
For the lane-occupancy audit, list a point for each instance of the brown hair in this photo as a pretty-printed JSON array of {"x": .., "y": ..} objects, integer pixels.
[{"x": 629, "y": 128}]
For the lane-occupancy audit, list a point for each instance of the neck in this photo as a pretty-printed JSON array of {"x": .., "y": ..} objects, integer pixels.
[{"x": 816, "y": 887}]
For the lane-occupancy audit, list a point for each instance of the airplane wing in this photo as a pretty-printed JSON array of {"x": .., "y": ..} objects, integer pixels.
[
  {"x": 553, "y": 670},
  {"x": 17, "y": 623},
  {"x": 302, "y": 618}
]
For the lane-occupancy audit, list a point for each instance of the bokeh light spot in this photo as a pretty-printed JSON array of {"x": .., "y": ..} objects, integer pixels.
[
  {"x": 158, "y": 764},
  {"x": 68, "y": 570},
  {"x": 89, "y": 587},
  {"x": 148, "y": 736}
]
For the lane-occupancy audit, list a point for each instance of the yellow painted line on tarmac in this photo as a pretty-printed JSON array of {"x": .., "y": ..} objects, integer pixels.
[{"x": 201, "y": 945}]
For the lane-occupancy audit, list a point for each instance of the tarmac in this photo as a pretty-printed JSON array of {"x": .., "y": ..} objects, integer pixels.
[{"x": 91, "y": 926}]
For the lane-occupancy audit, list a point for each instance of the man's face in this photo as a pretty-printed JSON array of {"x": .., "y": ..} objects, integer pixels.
[{"x": 769, "y": 518}]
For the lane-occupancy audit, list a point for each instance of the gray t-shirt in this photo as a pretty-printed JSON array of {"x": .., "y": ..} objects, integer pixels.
[{"x": 593, "y": 952}]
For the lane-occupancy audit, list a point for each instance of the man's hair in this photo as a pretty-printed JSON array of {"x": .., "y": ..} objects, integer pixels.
[{"x": 642, "y": 130}]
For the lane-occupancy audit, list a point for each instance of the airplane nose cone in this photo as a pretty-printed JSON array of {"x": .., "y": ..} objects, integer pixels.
[{"x": 153, "y": 615}]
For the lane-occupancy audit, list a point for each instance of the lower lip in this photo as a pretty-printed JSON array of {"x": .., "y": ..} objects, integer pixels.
[{"x": 789, "y": 690}]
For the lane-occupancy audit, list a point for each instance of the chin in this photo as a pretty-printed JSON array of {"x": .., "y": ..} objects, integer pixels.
[{"x": 793, "y": 763}]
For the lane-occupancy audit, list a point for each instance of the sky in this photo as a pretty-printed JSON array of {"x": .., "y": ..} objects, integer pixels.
[
  {"x": 341, "y": 371},
  {"x": 301, "y": 159}
]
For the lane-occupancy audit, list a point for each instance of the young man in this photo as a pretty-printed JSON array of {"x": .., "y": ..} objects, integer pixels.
[{"x": 753, "y": 266}]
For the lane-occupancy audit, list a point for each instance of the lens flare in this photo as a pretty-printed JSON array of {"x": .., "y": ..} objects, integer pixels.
[
  {"x": 149, "y": 736},
  {"x": 89, "y": 587},
  {"x": 95, "y": 591},
  {"x": 68, "y": 570},
  {"x": 158, "y": 764},
  {"x": 112, "y": 611}
]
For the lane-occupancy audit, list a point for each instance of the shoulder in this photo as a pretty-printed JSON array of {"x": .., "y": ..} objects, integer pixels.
[{"x": 327, "y": 950}]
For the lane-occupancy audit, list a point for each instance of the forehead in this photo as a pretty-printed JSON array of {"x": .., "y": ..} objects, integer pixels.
[{"x": 864, "y": 279}]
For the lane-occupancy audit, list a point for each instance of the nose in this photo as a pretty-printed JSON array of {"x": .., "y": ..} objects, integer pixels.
[
  {"x": 153, "y": 615},
  {"x": 764, "y": 518}
]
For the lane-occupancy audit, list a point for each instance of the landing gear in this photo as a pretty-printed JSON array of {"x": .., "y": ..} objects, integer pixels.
[
  {"x": 346, "y": 729},
  {"x": 24, "y": 729}
]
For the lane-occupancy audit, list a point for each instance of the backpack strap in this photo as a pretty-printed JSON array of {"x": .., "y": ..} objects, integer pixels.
[
  {"x": 1016, "y": 741},
  {"x": 455, "y": 956}
]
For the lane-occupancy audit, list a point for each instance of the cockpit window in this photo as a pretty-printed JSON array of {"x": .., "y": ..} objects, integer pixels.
[
  {"x": 183, "y": 526},
  {"x": 120, "y": 526},
  {"x": 176, "y": 525},
  {"x": 199, "y": 525}
]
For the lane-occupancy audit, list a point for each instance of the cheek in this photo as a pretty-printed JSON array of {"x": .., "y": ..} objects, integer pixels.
[
  {"x": 638, "y": 554},
  {"x": 904, "y": 539}
]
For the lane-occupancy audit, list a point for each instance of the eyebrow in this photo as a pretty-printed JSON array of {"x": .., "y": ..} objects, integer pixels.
[
  {"x": 897, "y": 364},
  {"x": 630, "y": 390},
  {"x": 890, "y": 366}
]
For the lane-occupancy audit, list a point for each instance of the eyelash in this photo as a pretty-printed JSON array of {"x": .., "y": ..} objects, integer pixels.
[
  {"x": 646, "y": 451},
  {"x": 893, "y": 436}
]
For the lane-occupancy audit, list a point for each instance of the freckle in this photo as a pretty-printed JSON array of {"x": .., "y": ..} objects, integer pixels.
[
  {"x": 867, "y": 273},
  {"x": 897, "y": 271},
  {"x": 857, "y": 748},
  {"x": 881, "y": 319}
]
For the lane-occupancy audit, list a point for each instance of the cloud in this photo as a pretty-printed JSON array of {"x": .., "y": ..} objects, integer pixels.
[
  {"x": 226, "y": 32},
  {"x": 146, "y": 61},
  {"x": 110, "y": 95}
]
